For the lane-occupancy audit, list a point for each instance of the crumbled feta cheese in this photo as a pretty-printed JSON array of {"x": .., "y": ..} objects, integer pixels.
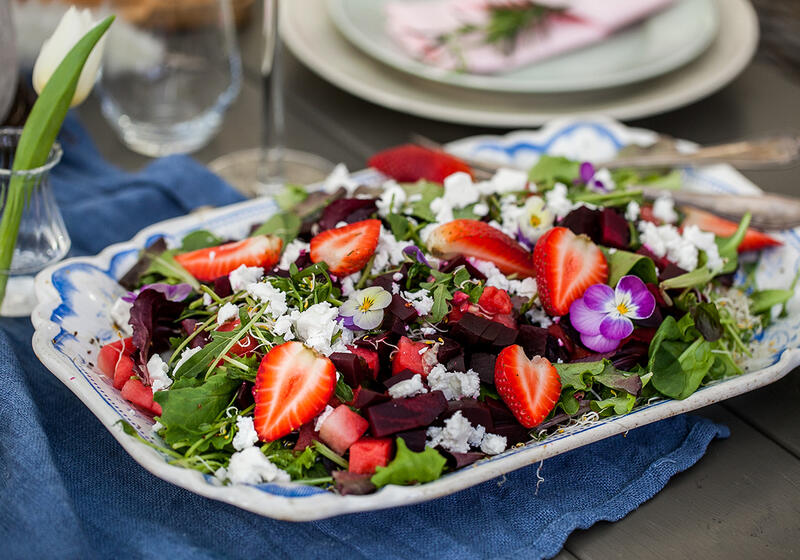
[
  {"x": 322, "y": 417},
  {"x": 121, "y": 314},
  {"x": 602, "y": 181},
  {"x": 664, "y": 209},
  {"x": 388, "y": 252},
  {"x": 395, "y": 288},
  {"x": 428, "y": 331},
  {"x": 246, "y": 435},
  {"x": 460, "y": 191},
  {"x": 156, "y": 427},
  {"x": 227, "y": 312},
  {"x": 508, "y": 180},
  {"x": 243, "y": 276},
  {"x": 207, "y": 299},
  {"x": 391, "y": 200},
  {"x": 339, "y": 178},
  {"x": 349, "y": 282},
  {"x": 493, "y": 444},
  {"x": 283, "y": 325},
  {"x": 706, "y": 242},
  {"x": 250, "y": 466},
  {"x": 157, "y": 371},
  {"x": 480, "y": 209},
  {"x": 538, "y": 317},
  {"x": 316, "y": 326},
  {"x": 397, "y": 276},
  {"x": 267, "y": 293},
  {"x": 415, "y": 198},
  {"x": 292, "y": 252},
  {"x": 408, "y": 388},
  {"x": 477, "y": 435},
  {"x": 493, "y": 275},
  {"x": 185, "y": 355},
  {"x": 667, "y": 241},
  {"x": 454, "y": 384},
  {"x": 526, "y": 288},
  {"x": 454, "y": 436},
  {"x": 557, "y": 201},
  {"x": 426, "y": 231},
  {"x": 632, "y": 211},
  {"x": 345, "y": 339},
  {"x": 421, "y": 300}
]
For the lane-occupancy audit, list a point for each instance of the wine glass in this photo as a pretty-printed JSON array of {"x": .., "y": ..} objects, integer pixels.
[{"x": 265, "y": 170}]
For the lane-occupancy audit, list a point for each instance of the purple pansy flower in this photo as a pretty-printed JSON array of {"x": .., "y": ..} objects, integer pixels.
[
  {"x": 598, "y": 180},
  {"x": 173, "y": 292},
  {"x": 604, "y": 316},
  {"x": 415, "y": 253}
]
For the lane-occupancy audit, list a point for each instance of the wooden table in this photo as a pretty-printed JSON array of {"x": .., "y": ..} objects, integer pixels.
[{"x": 742, "y": 500}]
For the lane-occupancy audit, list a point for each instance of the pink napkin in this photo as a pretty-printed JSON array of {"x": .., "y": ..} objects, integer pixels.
[{"x": 416, "y": 25}]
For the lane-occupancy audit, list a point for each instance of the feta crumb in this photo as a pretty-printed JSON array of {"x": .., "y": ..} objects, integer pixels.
[
  {"x": 157, "y": 371},
  {"x": 349, "y": 283},
  {"x": 493, "y": 444},
  {"x": 267, "y": 293},
  {"x": 227, "y": 312},
  {"x": 408, "y": 388},
  {"x": 477, "y": 435},
  {"x": 397, "y": 276},
  {"x": 632, "y": 211},
  {"x": 322, "y": 417},
  {"x": 428, "y": 331},
  {"x": 493, "y": 275},
  {"x": 388, "y": 252},
  {"x": 121, "y": 314},
  {"x": 185, "y": 355},
  {"x": 339, "y": 177},
  {"x": 395, "y": 288},
  {"x": 526, "y": 288},
  {"x": 156, "y": 427},
  {"x": 246, "y": 435},
  {"x": 454, "y": 384},
  {"x": 283, "y": 325},
  {"x": 508, "y": 180},
  {"x": 454, "y": 436},
  {"x": 316, "y": 326},
  {"x": 706, "y": 242},
  {"x": 557, "y": 201},
  {"x": 480, "y": 209},
  {"x": 292, "y": 252},
  {"x": 243, "y": 276},
  {"x": 250, "y": 466},
  {"x": 538, "y": 317},
  {"x": 421, "y": 300},
  {"x": 666, "y": 241},
  {"x": 392, "y": 199},
  {"x": 207, "y": 300},
  {"x": 664, "y": 209}
]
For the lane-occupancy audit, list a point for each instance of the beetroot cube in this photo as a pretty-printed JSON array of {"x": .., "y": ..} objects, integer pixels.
[
  {"x": 483, "y": 364},
  {"x": 400, "y": 415},
  {"x": 352, "y": 483},
  {"x": 370, "y": 356},
  {"x": 368, "y": 453},
  {"x": 414, "y": 439},
  {"x": 458, "y": 460},
  {"x": 367, "y": 397},
  {"x": 306, "y": 436},
  {"x": 473, "y": 410},
  {"x": 354, "y": 368},
  {"x": 342, "y": 429},
  {"x": 615, "y": 229},
  {"x": 404, "y": 375},
  {"x": 515, "y": 433},
  {"x": 533, "y": 340}
]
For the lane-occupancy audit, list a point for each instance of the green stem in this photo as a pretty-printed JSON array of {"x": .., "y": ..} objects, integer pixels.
[{"x": 326, "y": 451}]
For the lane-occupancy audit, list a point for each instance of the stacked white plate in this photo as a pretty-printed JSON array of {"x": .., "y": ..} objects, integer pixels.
[{"x": 673, "y": 58}]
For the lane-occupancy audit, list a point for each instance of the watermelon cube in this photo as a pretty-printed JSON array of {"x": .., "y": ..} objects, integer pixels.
[
  {"x": 368, "y": 453},
  {"x": 371, "y": 356},
  {"x": 110, "y": 353},
  {"x": 135, "y": 392},
  {"x": 123, "y": 371},
  {"x": 409, "y": 356},
  {"x": 342, "y": 429}
]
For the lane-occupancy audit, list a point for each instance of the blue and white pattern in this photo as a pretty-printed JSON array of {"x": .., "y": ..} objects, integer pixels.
[{"x": 72, "y": 321}]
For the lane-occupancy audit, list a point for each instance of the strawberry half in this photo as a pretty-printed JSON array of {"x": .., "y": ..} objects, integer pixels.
[
  {"x": 566, "y": 264},
  {"x": 209, "y": 264},
  {"x": 753, "y": 240},
  {"x": 530, "y": 388},
  {"x": 473, "y": 238},
  {"x": 410, "y": 163},
  {"x": 293, "y": 385},
  {"x": 346, "y": 249}
]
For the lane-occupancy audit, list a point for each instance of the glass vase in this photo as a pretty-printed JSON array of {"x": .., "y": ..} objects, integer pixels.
[{"x": 42, "y": 238}]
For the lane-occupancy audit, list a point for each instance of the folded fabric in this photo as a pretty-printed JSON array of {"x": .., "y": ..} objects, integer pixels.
[
  {"x": 427, "y": 30},
  {"x": 69, "y": 490}
]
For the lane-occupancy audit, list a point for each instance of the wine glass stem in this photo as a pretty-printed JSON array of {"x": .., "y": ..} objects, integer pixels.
[{"x": 270, "y": 169}]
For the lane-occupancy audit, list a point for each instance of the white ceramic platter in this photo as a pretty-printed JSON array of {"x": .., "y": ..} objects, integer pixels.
[
  {"x": 309, "y": 32},
  {"x": 659, "y": 44},
  {"x": 75, "y": 297}
]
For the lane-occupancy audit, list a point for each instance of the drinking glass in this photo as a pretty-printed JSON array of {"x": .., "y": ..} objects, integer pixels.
[
  {"x": 263, "y": 171},
  {"x": 171, "y": 70},
  {"x": 42, "y": 239},
  {"x": 8, "y": 59}
]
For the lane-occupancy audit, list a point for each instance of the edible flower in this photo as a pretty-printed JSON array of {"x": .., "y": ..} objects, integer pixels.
[
  {"x": 599, "y": 180},
  {"x": 604, "y": 316},
  {"x": 534, "y": 220},
  {"x": 72, "y": 27},
  {"x": 365, "y": 307}
]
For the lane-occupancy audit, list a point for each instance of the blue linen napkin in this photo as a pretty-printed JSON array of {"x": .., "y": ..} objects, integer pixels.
[{"x": 67, "y": 489}]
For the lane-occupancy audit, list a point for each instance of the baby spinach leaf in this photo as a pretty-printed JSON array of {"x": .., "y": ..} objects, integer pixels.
[
  {"x": 291, "y": 196},
  {"x": 200, "y": 239},
  {"x": 706, "y": 320},
  {"x": 618, "y": 404},
  {"x": 623, "y": 263},
  {"x": 551, "y": 169},
  {"x": 409, "y": 467},
  {"x": 579, "y": 375},
  {"x": 679, "y": 358},
  {"x": 283, "y": 225},
  {"x": 428, "y": 192},
  {"x": 764, "y": 300}
]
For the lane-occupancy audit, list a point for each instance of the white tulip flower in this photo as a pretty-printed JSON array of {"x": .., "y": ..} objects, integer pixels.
[{"x": 72, "y": 27}]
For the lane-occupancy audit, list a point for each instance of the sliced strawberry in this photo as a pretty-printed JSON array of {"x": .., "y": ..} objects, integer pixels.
[
  {"x": 342, "y": 428},
  {"x": 246, "y": 346},
  {"x": 494, "y": 304},
  {"x": 348, "y": 248},
  {"x": 368, "y": 453},
  {"x": 410, "y": 163},
  {"x": 293, "y": 385},
  {"x": 472, "y": 238},
  {"x": 753, "y": 240},
  {"x": 209, "y": 264},
  {"x": 109, "y": 355},
  {"x": 530, "y": 388},
  {"x": 566, "y": 264},
  {"x": 409, "y": 356},
  {"x": 371, "y": 356},
  {"x": 135, "y": 392}
]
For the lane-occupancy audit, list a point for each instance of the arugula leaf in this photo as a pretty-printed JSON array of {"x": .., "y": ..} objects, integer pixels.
[
  {"x": 343, "y": 392},
  {"x": 164, "y": 264},
  {"x": 764, "y": 300},
  {"x": 199, "y": 362},
  {"x": 283, "y": 225},
  {"x": 409, "y": 467},
  {"x": 441, "y": 295},
  {"x": 200, "y": 239},
  {"x": 623, "y": 263},
  {"x": 428, "y": 191},
  {"x": 399, "y": 225},
  {"x": 551, "y": 169},
  {"x": 186, "y": 409}
]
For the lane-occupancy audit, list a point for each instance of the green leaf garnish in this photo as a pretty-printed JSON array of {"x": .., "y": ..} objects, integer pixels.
[{"x": 409, "y": 467}]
